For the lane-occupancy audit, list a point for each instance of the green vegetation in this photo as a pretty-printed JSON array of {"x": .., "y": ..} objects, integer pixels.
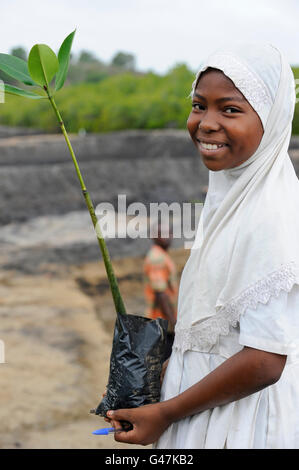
[
  {"x": 122, "y": 101},
  {"x": 102, "y": 97}
]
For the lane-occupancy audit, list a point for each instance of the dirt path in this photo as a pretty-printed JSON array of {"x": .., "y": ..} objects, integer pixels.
[{"x": 57, "y": 330}]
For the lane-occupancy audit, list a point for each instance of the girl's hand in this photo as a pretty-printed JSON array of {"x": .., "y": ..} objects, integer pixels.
[
  {"x": 148, "y": 422},
  {"x": 164, "y": 367}
]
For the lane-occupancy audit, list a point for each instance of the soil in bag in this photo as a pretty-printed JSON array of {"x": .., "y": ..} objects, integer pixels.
[{"x": 135, "y": 364}]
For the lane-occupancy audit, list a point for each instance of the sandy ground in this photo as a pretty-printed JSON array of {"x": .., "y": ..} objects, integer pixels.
[{"x": 57, "y": 330}]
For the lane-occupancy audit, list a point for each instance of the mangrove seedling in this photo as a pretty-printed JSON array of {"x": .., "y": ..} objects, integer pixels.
[{"x": 38, "y": 73}]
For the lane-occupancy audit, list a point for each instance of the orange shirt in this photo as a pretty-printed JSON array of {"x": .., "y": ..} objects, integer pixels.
[{"x": 160, "y": 276}]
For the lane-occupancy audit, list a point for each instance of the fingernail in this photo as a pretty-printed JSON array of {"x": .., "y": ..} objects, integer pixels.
[{"x": 109, "y": 413}]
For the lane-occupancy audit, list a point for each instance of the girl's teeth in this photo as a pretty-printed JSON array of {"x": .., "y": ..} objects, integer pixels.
[{"x": 211, "y": 146}]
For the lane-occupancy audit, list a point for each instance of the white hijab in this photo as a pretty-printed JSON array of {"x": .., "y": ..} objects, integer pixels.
[{"x": 247, "y": 244}]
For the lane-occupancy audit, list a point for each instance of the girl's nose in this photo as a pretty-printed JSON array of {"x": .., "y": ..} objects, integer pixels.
[{"x": 208, "y": 123}]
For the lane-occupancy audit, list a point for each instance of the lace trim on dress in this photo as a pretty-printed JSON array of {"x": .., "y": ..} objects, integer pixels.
[
  {"x": 202, "y": 336},
  {"x": 244, "y": 79}
]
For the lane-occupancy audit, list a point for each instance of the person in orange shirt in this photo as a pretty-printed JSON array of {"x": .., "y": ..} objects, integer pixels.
[{"x": 161, "y": 287}]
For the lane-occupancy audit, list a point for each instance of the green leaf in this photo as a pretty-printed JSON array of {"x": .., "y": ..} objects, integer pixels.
[
  {"x": 42, "y": 64},
  {"x": 64, "y": 58},
  {"x": 16, "y": 68},
  {"x": 12, "y": 90}
]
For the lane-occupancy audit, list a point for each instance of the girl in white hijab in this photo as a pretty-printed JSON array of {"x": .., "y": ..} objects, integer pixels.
[{"x": 233, "y": 377}]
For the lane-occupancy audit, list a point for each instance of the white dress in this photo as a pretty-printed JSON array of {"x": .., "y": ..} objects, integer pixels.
[
  {"x": 240, "y": 284},
  {"x": 266, "y": 419}
]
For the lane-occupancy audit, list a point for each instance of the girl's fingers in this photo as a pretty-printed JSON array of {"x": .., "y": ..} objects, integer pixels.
[
  {"x": 146, "y": 421},
  {"x": 116, "y": 424},
  {"x": 126, "y": 436},
  {"x": 119, "y": 415}
]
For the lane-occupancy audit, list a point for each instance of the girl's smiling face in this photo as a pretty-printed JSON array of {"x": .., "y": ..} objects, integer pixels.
[{"x": 222, "y": 117}]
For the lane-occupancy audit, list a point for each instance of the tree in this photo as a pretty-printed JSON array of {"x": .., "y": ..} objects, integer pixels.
[
  {"x": 19, "y": 52},
  {"x": 87, "y": 57},
  {"x": 124, "y": 60}
]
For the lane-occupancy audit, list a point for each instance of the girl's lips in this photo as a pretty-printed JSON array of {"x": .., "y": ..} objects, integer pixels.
[{"x": 211, "y": 152}]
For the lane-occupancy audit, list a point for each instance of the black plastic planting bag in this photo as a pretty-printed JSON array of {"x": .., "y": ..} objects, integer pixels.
[{"x": 135, "y": 364}]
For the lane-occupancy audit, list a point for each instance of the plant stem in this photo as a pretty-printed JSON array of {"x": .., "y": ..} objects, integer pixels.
[{"x": 118, "y": 302}]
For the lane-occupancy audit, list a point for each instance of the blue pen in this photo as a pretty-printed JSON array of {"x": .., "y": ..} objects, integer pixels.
[{"x": 106, "y": 431}]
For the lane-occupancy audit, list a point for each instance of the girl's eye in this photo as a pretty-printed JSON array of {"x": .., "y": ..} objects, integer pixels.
[
  {"x": 197, "y": 106},
  {"x": 231, "y": 110}
]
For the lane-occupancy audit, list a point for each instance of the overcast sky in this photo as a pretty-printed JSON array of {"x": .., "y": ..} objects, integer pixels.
[{"x": 160, "y": 33}]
